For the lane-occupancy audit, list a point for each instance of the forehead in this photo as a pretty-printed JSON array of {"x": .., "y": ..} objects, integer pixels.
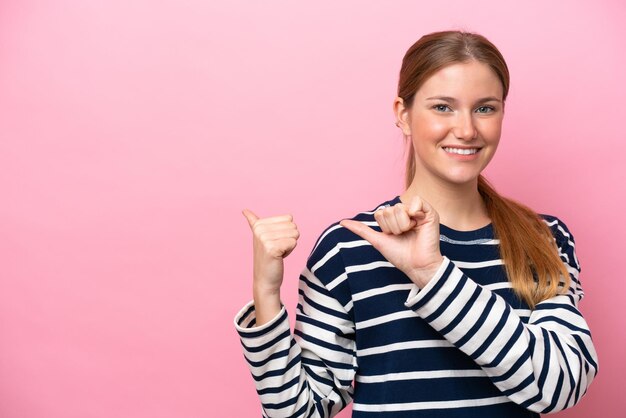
[{"x": 462, "y": 79}]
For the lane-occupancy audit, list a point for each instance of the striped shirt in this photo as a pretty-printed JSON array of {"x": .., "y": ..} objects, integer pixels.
[{"x": 462, "y": 346}]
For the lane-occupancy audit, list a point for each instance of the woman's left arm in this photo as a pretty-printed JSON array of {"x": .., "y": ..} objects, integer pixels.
[{"x": 545, "y": 365}]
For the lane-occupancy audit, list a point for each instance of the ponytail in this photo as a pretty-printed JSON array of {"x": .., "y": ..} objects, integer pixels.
[{"x": 527, "y": 246}]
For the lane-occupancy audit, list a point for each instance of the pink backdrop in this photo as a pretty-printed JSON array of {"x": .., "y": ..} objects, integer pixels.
[{"x": 133, "y": 133}]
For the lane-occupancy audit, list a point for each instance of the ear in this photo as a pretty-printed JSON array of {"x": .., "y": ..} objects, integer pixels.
[{"x": 402, "y": 114}]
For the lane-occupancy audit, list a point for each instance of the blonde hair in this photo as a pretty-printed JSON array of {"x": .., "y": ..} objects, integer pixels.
[{"x": 527, "y": 246}]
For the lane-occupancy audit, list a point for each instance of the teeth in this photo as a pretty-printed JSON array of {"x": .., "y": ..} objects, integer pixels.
[{"x": 462, "y": 151}]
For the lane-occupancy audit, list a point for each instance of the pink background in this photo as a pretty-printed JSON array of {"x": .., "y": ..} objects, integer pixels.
[{"x": 133, "y": 133}]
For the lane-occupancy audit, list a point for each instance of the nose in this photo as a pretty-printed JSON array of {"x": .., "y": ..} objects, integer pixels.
[{"x": 464, "y": 127}]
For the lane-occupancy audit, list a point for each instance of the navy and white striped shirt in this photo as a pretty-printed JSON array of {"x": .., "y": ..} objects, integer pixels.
[{"x": 462, "y": 346}]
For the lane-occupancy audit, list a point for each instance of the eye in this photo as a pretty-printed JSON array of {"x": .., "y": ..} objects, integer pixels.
[
  {"x": 489, "y": 109},
  {"x": 440, "y": 106}
]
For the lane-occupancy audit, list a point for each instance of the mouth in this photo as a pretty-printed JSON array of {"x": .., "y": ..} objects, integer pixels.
[{"x": 461, "y": 151}]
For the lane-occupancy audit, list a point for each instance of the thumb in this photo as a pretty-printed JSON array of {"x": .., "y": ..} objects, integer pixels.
[
  {"x": 250, "y": 217},
  {"x": 364, "y": 231}
]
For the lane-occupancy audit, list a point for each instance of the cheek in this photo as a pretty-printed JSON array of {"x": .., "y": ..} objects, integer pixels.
[
  {"x": 492, "y": 129},
  {"x": 429, "y": 128}
]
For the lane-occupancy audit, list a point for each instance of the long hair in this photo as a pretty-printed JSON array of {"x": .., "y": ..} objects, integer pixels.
[{"x": 527, "y": 246}]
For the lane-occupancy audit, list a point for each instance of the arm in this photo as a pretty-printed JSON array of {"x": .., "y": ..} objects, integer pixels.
[
  {"x": 545, "y": 365},
  {"x": 309, "y": 373}
]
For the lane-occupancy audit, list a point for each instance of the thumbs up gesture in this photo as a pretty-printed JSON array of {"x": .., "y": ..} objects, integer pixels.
[
  {"x": 273, "y": 239},
  {"x": 409, "y": 239}
]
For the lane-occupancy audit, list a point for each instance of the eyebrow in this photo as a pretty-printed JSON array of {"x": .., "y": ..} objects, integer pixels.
[{"x": 453, "y": 100}]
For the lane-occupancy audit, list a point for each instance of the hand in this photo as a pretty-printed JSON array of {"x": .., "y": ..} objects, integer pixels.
[
  {"x": 273, "y": 239},
  {"x": 410, "y": 238}
]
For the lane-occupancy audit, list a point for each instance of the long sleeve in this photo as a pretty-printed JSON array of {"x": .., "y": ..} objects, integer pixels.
[
  {"x": 308, "y": 373},
  {"x": 544, "y": 365}
]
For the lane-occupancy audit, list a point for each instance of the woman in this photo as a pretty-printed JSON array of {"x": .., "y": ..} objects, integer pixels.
[{"x": 441, "y": 302}]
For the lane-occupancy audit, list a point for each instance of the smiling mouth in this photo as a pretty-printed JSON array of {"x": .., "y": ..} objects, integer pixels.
[{"x": 461, "y": 151}]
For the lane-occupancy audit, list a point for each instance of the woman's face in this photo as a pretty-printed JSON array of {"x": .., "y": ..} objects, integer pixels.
[{"x": 455, "y": 122}]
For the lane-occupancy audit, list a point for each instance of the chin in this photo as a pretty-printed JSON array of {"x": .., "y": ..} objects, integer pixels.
[{"x": 462, "y": 180}]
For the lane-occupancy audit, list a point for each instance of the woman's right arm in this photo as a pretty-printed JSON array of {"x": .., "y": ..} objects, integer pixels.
[{"x": 309, "y": 373}]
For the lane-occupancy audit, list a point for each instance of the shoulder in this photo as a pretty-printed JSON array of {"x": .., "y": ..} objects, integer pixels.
[
  {"x": 334, "y": 236},
  {"x": 560, "y": 230}
]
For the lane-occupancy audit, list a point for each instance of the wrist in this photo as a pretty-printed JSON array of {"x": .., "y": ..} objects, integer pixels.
[
  {"x": 265, "y": 291},
  {"x": 266, "y": 303},
  {"x": 421, "y": 276}
]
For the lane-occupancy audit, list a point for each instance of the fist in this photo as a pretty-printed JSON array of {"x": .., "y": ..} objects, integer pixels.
[
  {"x": 409, "y": 239},
  {"x": 273, "y": 239}
]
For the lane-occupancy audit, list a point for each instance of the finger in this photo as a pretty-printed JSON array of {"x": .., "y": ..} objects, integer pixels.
[
  {"x": 290, "y": 244},
  {"x": 280, "y": 247},
  {"x": 250, "y": 217},
  {"x": 275, "y": 219},
  {"x": 429, "y": 211},
  {"x": 405, "y": 223},
  {"x": 379, "y": 215},
  {"x": 261, "y": 228},
  {"x": 364, "y": 231},
  {"x": 279, "y": 234},
  {"x": 392, "y": 221},
  {"x": 415, "y": 206},
  {"x": 427, "y": 207}
]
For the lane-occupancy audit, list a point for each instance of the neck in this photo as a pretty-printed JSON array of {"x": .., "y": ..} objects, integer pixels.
[{"x": 460, "y": 206}]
